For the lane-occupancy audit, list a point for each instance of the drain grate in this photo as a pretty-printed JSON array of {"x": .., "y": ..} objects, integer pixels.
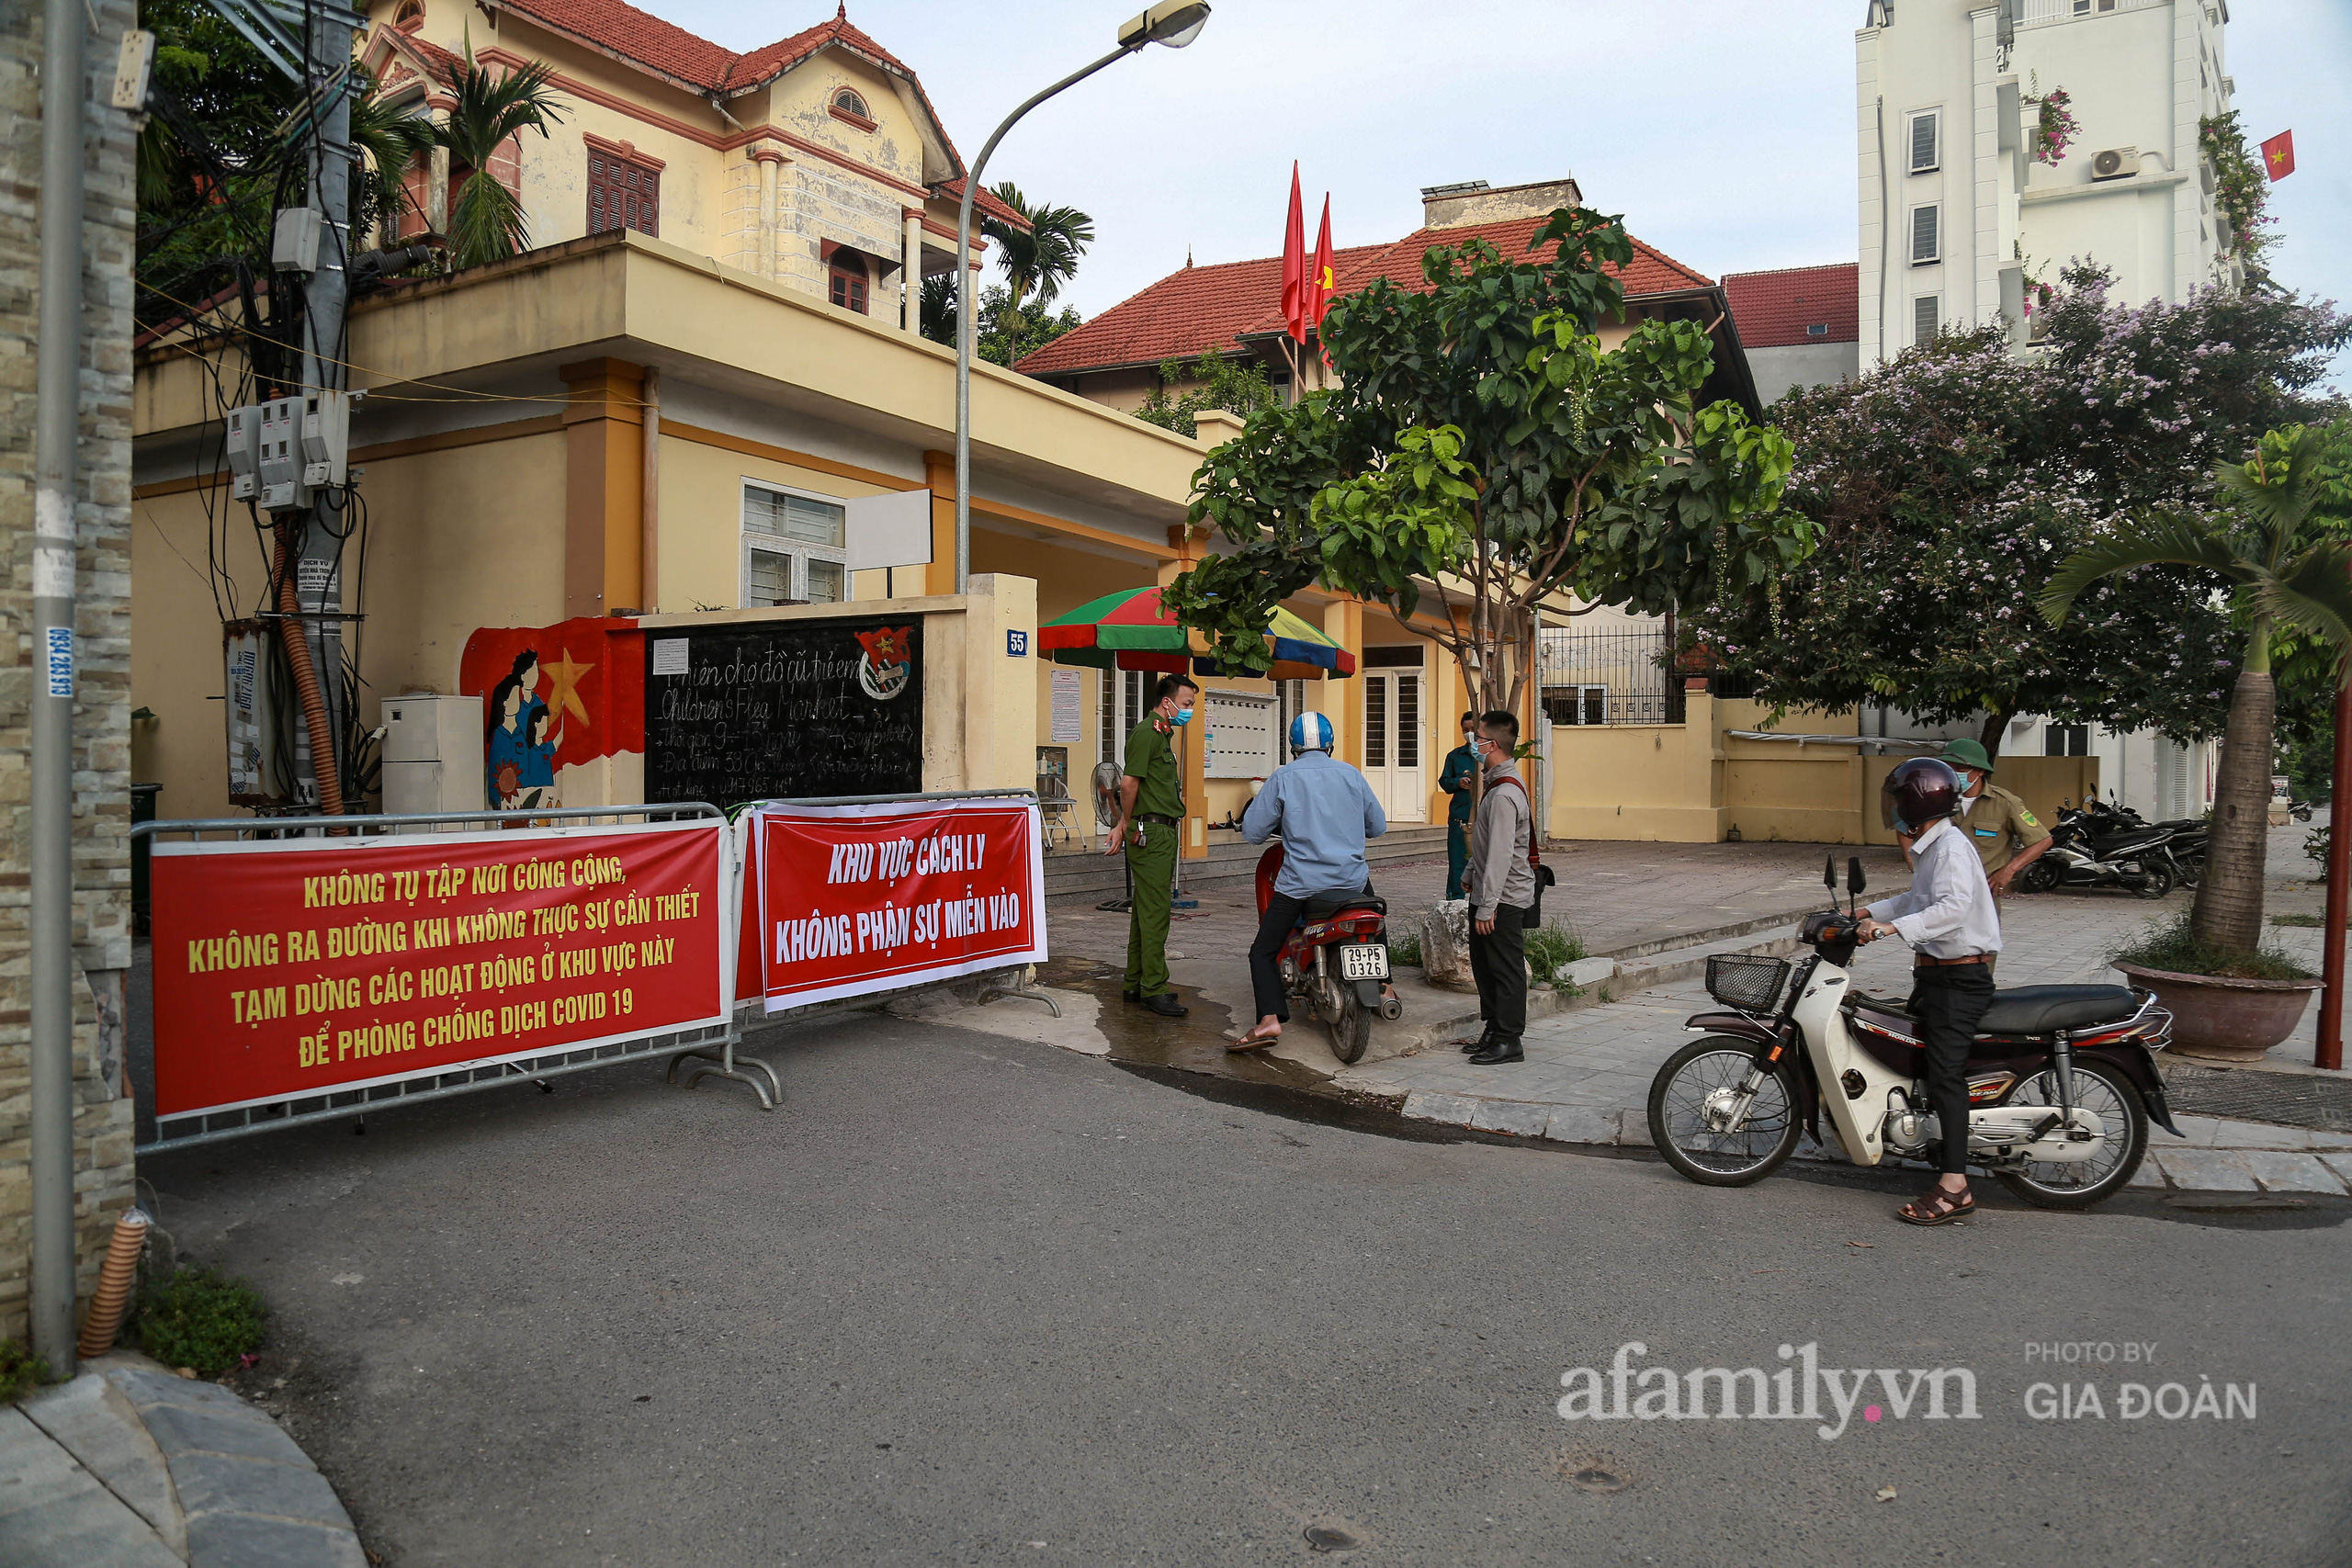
[{"x": 2284, "y": 1100}]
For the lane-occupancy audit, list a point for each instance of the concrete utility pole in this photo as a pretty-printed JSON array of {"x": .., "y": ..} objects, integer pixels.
[
  {"x": 64, "y": 91},
  {"x": 317, "y": 565}
]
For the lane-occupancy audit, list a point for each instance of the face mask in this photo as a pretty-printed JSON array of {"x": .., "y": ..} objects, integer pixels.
[{"x": 1184, "y": 717}]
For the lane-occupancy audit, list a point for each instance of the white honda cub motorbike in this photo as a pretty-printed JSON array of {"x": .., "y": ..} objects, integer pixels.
[{"x": 2062, "y": 1079}]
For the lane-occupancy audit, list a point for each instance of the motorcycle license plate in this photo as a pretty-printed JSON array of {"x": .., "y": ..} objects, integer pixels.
[{"x": 1363, "y": 962}]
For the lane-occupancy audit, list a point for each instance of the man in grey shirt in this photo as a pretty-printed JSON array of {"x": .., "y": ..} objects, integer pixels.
[{"x": 1501, "y": 887}]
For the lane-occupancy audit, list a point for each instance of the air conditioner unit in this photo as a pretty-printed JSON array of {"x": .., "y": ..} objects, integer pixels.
[{"x": 2115, "y": 162}]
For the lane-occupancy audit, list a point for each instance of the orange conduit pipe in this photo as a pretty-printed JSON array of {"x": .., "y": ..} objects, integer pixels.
[
  {"x": 306, "y": 683},
  {"x": 114, "y": 1285}
]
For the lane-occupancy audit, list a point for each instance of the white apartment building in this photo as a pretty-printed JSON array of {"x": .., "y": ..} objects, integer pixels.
[{"x": 1957, "y": 214}]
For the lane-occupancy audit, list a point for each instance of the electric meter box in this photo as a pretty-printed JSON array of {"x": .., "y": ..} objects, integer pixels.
[
  {"x": 280, "y": 462},
  {"x": 433, "y": 755},
  {"x": 261, "y": 761},
  {"x": 326, "y": 435},
  {"x": 242, "y": 446}
]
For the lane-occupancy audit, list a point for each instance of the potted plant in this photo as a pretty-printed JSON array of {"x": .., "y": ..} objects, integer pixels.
[
  {"x": 2228, "y": 1006},
  {"x": 2279, "y": 536}
]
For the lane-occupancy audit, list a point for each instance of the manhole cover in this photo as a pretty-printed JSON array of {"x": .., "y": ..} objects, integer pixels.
[
  {"x": 2284, "y": 1100},
  {"x": 1596, "y": 1478},
  {"x": 1330, "y": 1538}
]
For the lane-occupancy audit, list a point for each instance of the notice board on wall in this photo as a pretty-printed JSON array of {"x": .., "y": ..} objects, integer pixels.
[{"x": 788, "y": 709}]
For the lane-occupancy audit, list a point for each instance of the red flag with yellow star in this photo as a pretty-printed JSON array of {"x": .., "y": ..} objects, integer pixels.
[
  {"x": 2279, "y": 155},
  {"x": 1319, "y": 281},
  {"x": 1295, "y": 307}
]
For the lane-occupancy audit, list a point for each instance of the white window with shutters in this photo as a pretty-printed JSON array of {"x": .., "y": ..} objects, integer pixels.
[
  {"x": 1927, "y": 235},
  {"x": 1926, "y": 139},
  {"x": 793, "y": 547},
  {"x": 1927, "y": 317}
]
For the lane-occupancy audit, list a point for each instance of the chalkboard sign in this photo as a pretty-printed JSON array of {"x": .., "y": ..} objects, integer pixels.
[{"x": 785, "y": 709}]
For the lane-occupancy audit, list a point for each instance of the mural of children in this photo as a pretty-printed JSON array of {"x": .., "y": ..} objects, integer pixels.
[
  {"x": 539, "y": 757},
  {"x": 505, "y": 748}
]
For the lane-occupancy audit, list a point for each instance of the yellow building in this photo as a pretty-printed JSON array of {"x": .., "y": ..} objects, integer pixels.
[{"x": 658, "y": 415}]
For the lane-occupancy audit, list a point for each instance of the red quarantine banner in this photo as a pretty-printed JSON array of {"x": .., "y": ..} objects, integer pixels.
[
  {"x": 299, "y": 966},
  {"x": 853, "y": 899}
]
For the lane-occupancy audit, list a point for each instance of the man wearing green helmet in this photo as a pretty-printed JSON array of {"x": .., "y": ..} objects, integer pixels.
[{"x": 2007, "y": 836}]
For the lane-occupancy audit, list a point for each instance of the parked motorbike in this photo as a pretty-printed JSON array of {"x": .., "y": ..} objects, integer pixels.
[
  {"x": 1336, "y": 962},
  {"x": 2137, "y": 861},
  {"x": 2111, "y": 820},
  {"x": 2062, "y": 1079}
]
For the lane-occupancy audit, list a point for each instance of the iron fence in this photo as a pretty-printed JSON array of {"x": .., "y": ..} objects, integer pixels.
[{"x": 1610, "y": 677}]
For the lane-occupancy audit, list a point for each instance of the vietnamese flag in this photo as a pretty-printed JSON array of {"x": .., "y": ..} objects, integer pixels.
[
  {"x": 1295, "y": 305},
  {"x": 1319, "y": 280},
  {"x": 2279, "y": 155}
]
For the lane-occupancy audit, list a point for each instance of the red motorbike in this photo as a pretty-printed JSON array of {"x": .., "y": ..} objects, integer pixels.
[{"x": 1336, "y": 961}]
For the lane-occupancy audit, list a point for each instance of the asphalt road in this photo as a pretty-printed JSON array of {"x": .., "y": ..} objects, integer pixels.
[{"x": 969, "y": 1301}]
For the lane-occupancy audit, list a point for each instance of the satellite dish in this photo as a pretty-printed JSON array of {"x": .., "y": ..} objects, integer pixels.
[{"x": 1106, "y": 794}]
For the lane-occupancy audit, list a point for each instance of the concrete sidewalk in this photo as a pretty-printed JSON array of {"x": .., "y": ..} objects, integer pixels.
[
  {"x": 130, "y": 1464},
  {"x": 1588, "y": 1073}
]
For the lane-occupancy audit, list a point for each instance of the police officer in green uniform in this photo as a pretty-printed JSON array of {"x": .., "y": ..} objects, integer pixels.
[
  {"x": 2008, "y": 837},
  {"x": 1458, "y": 779},
  {"x": 1151, "y": 815}
]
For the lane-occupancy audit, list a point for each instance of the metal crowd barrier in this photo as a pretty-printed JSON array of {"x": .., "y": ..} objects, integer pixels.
[{"x": 710, "y": 1049}]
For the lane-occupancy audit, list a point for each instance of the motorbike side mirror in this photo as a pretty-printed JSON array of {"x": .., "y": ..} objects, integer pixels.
[
  {"x": 1829, "y": 873},
  {"x": 1855, "y": 880}
]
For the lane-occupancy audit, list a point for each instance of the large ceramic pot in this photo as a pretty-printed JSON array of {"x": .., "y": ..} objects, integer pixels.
[{"x": 2227, "y": 1021}]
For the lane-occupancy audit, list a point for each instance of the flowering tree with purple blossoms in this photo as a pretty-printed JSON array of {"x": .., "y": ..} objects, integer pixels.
[{"x": 1951, "y": 483}]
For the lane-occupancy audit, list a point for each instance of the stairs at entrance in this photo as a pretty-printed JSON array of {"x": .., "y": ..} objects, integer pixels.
[{"x": 1074, "y": 873}]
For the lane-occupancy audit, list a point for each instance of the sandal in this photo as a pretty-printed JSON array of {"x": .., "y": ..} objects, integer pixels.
[
  {"x": 1253, "y": 1041},
  {"x": 1937, "y": 1208}
]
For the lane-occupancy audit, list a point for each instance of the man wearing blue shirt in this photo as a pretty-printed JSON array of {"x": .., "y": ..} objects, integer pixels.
[{"x": 1324, "y": 811}]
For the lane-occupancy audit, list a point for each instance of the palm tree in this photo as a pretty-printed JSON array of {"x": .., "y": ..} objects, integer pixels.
[
  {"x": 1039, "y": 259},
  {"x": 2289, "y": 573},
  {"x": 486, "y": 221}
]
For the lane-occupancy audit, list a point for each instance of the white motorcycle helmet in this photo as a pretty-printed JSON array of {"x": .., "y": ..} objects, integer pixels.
[{"x": 1311, "y": 732}]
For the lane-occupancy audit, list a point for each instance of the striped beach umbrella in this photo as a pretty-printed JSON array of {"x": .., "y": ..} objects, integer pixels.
[{"x": 1130, "y": 630}]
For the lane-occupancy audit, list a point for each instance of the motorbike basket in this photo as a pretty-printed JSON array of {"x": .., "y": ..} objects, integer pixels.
[{"x": 1751, "y": 984}]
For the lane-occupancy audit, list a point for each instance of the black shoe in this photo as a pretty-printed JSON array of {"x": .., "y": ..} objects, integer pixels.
[
  {"x": 1131, "y": 996},
  {"x": 1485, "y": 1038},
  {"x": 1498, "y": 1053},
  {"x": 1166, "y": 1005}
]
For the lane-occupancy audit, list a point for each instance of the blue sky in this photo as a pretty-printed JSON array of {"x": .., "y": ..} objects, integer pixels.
[{"x": 1724, "y": 132}]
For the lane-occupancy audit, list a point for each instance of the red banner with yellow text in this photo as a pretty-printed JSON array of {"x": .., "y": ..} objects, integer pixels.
[
  {"x": 292, "y": 967},
  {"x": 855, "y": 899}
]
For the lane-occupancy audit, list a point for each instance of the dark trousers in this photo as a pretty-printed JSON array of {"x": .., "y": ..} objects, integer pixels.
[
  {"x": 1499, "y": 963},
  {"x": 1274, "y": 930},
  {"x": 1948, "y": 1000}
]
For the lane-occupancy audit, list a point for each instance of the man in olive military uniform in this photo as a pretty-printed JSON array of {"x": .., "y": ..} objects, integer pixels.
[
  {"x": 1151, "y": 815},
  {"x": 2007, "y": 836},
  {"x": 1459, "y": 779}
]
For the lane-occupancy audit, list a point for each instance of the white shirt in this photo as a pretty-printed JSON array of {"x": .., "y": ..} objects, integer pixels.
[{"x": 1949, "y": 913}]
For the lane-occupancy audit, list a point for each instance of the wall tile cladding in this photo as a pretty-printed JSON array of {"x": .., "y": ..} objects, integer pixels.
[{"x": 102, "y": 711}]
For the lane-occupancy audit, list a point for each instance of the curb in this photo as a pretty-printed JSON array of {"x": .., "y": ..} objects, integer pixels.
[{"x": 2217, "y": 1157}]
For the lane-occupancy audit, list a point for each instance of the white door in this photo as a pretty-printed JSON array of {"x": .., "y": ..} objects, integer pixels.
[{"x": 1393, "y": 743}]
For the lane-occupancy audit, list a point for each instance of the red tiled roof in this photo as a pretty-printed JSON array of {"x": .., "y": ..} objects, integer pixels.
[
  {"x": 1203, "y": 309},
  {"x": 986, "y": 201},
  {"x": 1773, "y": 309}
]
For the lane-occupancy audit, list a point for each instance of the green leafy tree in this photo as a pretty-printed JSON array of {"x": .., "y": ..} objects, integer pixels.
[
  {"x": 1040, "y": 258},
  {"x": 1236, "y": 384},
  {"x": 2266, "y": 541},
  {"x": 1005, "y": 334},
  {"x": 1951, "y": 482},
  {"x": 1481, "y": 450},
  {"x": 486, "y": 223},
  {"x": 226, "y": 147}
]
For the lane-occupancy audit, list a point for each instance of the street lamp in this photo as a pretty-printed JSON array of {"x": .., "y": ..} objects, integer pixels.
[{"x": 1172, "y": 22}]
